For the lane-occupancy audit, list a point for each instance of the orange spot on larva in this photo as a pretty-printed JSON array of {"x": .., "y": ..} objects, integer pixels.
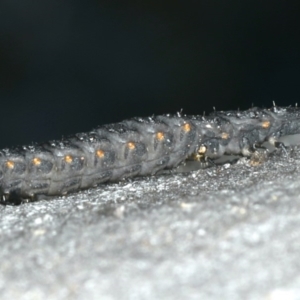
[
  {"x": 36, "y": 161},
  {"x": 224, "y": 135},
  {"x": 265, "y": 124},
  {"x": 131, "y": 145},
  {"x": 160, "y": 135},
  {"x": 68, "y": 159},
  {"x": 186, "y": 127},
  {"x": 10, "y": 164},
  {"x": 100, "y": 153}
]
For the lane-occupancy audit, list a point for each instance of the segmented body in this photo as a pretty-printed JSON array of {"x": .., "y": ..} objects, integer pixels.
[{"x": 135, "y": 147}]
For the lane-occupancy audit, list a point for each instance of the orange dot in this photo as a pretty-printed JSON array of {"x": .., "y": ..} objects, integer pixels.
[
  {"x": 131, "y": 145},
  {"x": 100, "y": 153},
  {"x": 10, "y": 164},
  {"x": 36, "y": 161},
  {"x": 265, "y": 124},
  {"x": 186, "y": 127},
  {"x": 160, "y": 135},
  {"x": 224, "y": 135},
  {"x": 68, "y": 159}
]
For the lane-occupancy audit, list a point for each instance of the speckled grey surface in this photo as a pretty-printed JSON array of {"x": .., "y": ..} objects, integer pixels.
[{"x": 231, "y": 232}]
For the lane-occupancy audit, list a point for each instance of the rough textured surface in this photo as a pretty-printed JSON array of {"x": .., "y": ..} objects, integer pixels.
[{"x": 227, "y": 232}]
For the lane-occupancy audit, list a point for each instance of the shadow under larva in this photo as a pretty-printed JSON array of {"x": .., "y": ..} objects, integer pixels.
[{"x": 137, "y": 147}]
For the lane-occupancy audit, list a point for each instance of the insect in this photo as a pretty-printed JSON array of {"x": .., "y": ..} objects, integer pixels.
[{"x": 137, "y": 147}]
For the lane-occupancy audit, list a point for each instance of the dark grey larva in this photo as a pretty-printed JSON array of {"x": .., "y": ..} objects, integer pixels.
[{"x": 135, "y": 147}]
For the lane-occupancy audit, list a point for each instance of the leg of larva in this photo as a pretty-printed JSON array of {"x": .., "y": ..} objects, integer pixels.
[
  {"x": 258, "y": 157},
  {"x": 13, "y": 198},
  {"x": 281, "y": 146}
]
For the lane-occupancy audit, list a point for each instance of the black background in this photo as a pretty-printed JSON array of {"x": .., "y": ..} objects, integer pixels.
[{"x": 68, "y": 66}]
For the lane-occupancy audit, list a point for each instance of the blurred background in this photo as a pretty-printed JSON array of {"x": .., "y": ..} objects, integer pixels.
[{"x": 68, "y": 66}]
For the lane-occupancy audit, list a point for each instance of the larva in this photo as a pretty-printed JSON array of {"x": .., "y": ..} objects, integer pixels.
[{"x": 136, "y": 147}]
